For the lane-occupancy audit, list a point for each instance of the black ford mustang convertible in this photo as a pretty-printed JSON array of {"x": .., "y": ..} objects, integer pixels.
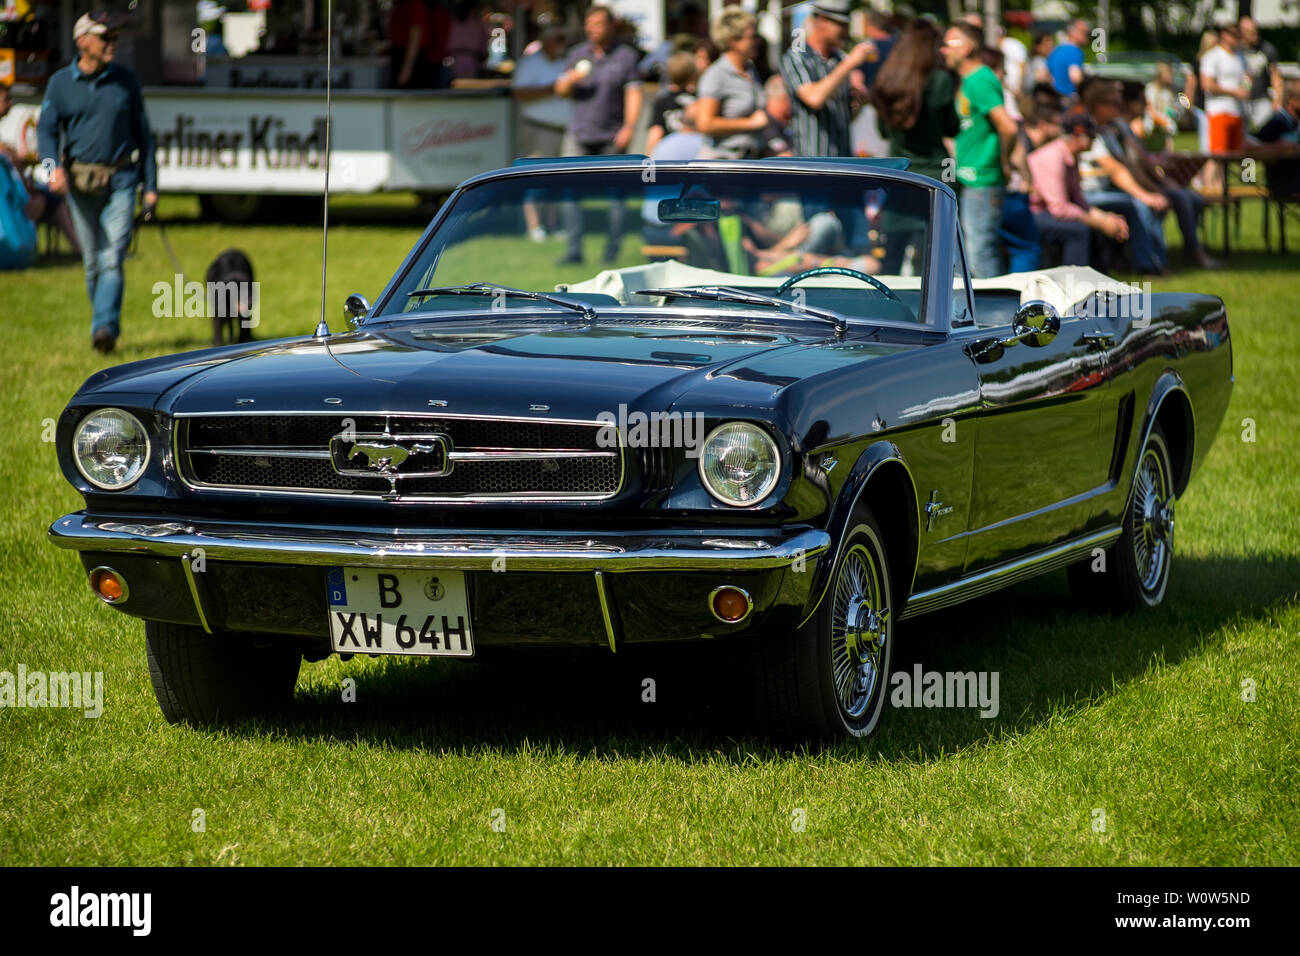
[{"x": 779, "y": 414}]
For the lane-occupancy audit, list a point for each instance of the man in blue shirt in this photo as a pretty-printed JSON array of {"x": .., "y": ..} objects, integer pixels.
[
  {"x": 94, "y": 114},
  {"x": 1065, "y": 63},
  {"x": 601, "y": 77}
]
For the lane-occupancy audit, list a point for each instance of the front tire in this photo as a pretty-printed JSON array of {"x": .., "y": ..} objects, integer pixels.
[
  {"x": 204, "y": 679},
  {"x": 829, "y": 678},
  {"x": 1134, "y": 572}
]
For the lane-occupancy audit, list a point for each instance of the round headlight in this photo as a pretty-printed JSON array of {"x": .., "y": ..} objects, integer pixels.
[
  {"x": 110, "y": 448},
  {"x": 739, "y": 463}
]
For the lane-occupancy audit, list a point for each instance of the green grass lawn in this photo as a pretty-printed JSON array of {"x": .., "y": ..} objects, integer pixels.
[{"x": 1139, "y": 717}]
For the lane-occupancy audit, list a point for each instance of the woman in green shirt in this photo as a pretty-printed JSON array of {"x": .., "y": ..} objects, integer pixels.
[{"x": 913, "y": 96}]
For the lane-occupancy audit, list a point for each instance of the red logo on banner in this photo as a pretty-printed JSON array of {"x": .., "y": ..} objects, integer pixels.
[{"x": 444, "y": 133}]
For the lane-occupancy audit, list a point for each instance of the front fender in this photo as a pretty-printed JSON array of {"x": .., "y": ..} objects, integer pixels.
[{"x": 869, "y": 464}]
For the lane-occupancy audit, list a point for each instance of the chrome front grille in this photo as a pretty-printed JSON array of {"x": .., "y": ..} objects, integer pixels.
[{"x": 490, "y": 458}]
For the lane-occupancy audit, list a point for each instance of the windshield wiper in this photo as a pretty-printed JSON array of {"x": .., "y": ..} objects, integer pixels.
[
  {"x": 489, "y": 288},
  {"x": 723, "y": 293}
]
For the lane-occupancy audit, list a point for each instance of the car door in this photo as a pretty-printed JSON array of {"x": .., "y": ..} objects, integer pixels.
[{"x": 1041, "y": 458}]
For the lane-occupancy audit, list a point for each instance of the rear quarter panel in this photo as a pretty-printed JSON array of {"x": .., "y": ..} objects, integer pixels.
[{"x": 1182, "y": 343}]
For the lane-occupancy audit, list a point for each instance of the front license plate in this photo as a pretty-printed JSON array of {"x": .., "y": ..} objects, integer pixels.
[{"x": 424, "y": 613}]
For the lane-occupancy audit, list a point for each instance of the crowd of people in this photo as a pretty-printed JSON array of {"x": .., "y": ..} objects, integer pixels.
[{"x": 1053, "y": 164}]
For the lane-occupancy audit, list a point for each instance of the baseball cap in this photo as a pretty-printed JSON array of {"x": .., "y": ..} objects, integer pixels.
[
  {"x": 837, "y": 10},
  {"x": 205, "y": 11},
  {"x": 91, "y": 24}
]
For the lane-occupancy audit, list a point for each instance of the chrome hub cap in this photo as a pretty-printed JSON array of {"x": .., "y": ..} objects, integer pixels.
[
  {"x": 859, "y": 629},
  {"x": 864, "y": 631},
  {"x": 1152, "y": 521}
]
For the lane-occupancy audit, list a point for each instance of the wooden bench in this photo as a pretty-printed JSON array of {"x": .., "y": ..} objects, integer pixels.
[
  {"x": 1237, "y": 194},
  {"x": 1282, "y": 203}
]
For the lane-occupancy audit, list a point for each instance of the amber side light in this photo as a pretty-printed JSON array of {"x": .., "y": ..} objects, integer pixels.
[
  {"x": 108, "y": 585},
  {"x": 730, "y": 604}
]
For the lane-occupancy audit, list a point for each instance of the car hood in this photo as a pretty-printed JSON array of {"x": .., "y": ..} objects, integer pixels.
[{"x": 565, "y": 371}]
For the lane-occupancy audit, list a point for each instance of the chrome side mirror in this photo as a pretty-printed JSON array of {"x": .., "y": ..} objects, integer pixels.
[
  {"x": 1035, "y": 324},
  {"x": 355, "y": 308}
]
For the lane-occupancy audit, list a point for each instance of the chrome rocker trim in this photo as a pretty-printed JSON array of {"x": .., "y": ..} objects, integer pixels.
[
  {"x": 476, "y": 551},
  {"x": 1002, "y": 575}
]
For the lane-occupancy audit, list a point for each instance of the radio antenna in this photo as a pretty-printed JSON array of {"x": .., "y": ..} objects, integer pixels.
[{"x": 323, "y": 329}]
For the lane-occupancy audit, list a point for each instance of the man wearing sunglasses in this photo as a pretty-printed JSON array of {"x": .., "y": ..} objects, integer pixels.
[{"x": 96, "y": 147}]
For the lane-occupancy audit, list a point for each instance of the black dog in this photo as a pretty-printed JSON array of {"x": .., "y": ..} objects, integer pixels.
[{"x": 231, "y": 296}]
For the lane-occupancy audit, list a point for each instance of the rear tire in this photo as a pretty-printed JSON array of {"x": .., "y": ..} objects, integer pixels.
[
  {"x": 829, "y": 678},
  {"x": 1134, "y": 571},
  {"x": 202, "y": 678}
]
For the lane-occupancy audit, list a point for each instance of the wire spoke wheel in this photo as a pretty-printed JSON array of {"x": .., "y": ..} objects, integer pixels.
[
  {"x": 827, "y": 678},
  {"x": 860, "y": 619},
  {"x": 1133, "y": 573},
  {"x": 1151, "y": 519}
]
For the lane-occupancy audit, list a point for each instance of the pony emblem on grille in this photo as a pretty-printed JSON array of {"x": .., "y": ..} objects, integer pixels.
[
  {"x": 387, "y": 457},
  {"x": 391, "y": 456}
]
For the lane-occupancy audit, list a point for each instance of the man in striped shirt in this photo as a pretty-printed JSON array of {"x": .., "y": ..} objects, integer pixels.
[{"x": 824, "y": 81}]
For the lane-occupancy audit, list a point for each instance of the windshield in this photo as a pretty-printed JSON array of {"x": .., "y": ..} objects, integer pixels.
[{"x": 601, "y": 237}]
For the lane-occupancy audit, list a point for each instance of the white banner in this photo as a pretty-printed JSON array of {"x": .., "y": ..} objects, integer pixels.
[
  {"x": 240, "y": 142},
  {"x": 266, "y": 144},
  {"x": 440, "y": 143}
]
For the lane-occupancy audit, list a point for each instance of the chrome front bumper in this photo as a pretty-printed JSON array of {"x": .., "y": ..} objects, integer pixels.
[
  {"x": 476, "y": 551},
  {"x": 647, "y": 585}
]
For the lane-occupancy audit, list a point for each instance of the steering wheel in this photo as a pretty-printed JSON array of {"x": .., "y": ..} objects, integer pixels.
[{"x": 837, "y": 271}]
